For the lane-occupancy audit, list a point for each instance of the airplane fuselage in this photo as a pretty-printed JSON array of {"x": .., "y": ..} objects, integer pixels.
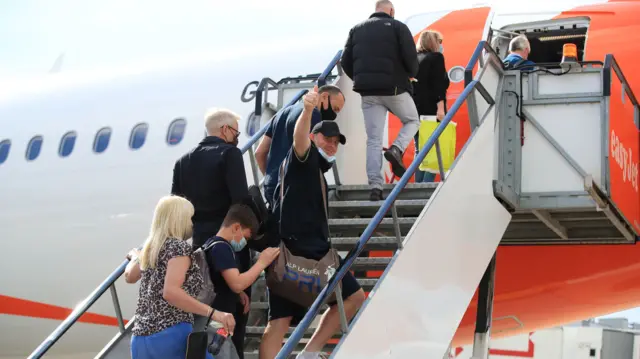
[{"x": 67, "y": 221}]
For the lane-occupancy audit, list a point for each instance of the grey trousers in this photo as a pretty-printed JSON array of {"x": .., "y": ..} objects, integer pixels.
[{"x": 374, "y": 109}]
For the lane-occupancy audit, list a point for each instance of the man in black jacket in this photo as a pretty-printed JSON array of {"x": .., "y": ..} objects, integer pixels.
[
  {"x": 380, "y": 57},
  {"x": 212, "y": 177}
]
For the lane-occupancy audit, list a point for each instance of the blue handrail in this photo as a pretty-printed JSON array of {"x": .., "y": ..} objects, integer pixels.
[
  {"x": 44, "y": 347},
  {"x": 78, "y": 312},
  {"x": 321, "y": 82},
  {"x": 298, "y": 333}
]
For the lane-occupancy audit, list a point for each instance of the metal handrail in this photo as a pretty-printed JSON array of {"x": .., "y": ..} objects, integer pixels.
[
  {"x": 109, "y": 282},
  {"x": 80, "y": 310},
  {"x": 353, "y": 254}
]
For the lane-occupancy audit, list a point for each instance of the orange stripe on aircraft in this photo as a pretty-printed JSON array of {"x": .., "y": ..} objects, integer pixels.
[{"x": 28, "y": 308}]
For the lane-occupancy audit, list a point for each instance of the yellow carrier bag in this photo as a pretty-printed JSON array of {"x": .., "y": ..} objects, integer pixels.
[{"x": 447, "y": 142}]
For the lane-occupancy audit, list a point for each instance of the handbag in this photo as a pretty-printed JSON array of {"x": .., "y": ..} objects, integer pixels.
[
  {"x": 198, "y": 342},
  {"x": 297, "y": 278},
  {"x": 447, "y": 140}
]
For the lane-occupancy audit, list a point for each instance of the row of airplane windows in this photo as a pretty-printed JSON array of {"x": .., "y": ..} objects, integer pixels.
[{"x": 175, "y": 134}]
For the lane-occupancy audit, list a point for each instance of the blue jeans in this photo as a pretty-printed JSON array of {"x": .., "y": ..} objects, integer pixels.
[
  {"x": 422, "y": 176},
  {"x": 170, "y": 343}
]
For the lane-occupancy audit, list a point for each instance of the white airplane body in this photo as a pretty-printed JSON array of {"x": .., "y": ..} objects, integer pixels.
[{"x": 67, "y": 222}]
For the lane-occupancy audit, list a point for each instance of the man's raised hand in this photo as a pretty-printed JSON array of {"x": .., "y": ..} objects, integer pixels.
[{"x": 311, "y": 99}]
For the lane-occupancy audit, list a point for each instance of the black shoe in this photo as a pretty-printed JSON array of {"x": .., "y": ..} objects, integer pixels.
[
  {"x": 376, "y": 195},
  {"x": 394, "y": 156}
]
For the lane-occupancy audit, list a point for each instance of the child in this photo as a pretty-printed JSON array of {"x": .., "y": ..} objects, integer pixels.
[{"x": 238, "y": 226}]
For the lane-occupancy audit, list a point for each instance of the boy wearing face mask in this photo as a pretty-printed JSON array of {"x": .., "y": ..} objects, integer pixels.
[
  {"x": 278, "y": 139},
  {"x": 239, "y": 225}
]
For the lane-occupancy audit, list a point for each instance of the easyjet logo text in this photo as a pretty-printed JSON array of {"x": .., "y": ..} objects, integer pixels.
[{"x": 625, "y": 159}]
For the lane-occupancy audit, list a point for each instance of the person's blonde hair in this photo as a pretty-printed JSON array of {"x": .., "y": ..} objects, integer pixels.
[
  {"x": 171, "y": 219},
  {"x": 429, "y": 40}
]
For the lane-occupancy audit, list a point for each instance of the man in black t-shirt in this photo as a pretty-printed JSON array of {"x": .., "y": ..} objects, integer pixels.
[
  {"x": 305, "y": 230},
  {"x": 238, "y": 227}
]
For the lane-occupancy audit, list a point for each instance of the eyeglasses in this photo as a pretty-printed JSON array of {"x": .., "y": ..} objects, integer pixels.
[{"x": 237, "y": 133}]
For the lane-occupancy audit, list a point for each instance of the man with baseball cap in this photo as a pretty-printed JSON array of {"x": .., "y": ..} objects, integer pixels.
[{"x": 304, "y": 228}]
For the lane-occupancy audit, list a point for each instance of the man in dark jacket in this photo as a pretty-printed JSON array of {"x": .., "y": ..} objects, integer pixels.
[
  {"x": 380, "y": 57},
  {"x": 212, "y": 177}
]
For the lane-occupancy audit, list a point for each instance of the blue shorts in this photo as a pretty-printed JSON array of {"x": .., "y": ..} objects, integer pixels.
[{"x": 170, "y": 343}]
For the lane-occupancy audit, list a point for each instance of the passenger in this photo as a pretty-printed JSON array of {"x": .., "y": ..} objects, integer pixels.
[
  {"x": 380, "y": 57},
  {"x": 519, "y": 50},
  {"x": 239, "y": 226},
  {"x": 277, "y": 141},
  {"x": 303, "y": 219},
  {"x": 212, "y": 177},
  {"x": 430, "y": 88},
  {"x": 170, "y": 282}
]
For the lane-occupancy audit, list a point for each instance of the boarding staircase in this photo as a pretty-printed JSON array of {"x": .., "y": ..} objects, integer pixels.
[{"x": 541, "y": 167}]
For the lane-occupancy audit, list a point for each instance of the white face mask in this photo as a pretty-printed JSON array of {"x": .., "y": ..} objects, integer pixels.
[{"x": 330, "y": 159}]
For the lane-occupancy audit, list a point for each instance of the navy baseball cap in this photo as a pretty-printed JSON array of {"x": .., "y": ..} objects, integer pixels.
[{"x": 329, "y": 129}]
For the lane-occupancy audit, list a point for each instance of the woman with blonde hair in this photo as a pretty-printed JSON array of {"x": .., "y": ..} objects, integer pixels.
[
  {"x": 170, "y": 282},
  {"x": 430, "y": 87}
]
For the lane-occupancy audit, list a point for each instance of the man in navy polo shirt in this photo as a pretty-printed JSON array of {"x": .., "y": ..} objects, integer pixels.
[
  {"x": 277, "y": 141},
  {"x": 304, "y": 228}
]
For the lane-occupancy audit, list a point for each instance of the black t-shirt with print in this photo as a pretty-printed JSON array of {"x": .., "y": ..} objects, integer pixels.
[{"x": 304, "y": 226}]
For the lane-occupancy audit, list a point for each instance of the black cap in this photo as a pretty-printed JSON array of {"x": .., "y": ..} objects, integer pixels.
[{"x": 329, "y": 129}]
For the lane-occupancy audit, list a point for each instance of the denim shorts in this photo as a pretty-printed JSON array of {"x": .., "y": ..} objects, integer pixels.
[{"x": 170, "y": 343}]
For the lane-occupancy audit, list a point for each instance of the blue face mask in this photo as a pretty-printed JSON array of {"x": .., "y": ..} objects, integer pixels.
[
  {"x": 330, "y": 159},
  {"x": 238, "y": 246},
  {"x": 441, "y": 48}
]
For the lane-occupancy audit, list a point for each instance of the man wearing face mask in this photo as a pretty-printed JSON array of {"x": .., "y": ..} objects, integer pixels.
[
  {"x": 212, "y": 177},
  {"x": 278, "y": 139},
  {"x": 304, "y": 227}
]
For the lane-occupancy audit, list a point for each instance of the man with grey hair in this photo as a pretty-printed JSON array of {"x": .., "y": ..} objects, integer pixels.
[
  {"x": 212, "y": 177},
  {"x": 380, "y": 57},
  {"x": 519, "y": 50}
]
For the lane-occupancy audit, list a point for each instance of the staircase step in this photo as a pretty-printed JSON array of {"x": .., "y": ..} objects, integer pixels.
[
  {"x": 374, "y": 243},
  {"x": 256, "y": 331},
  {"x": 351, "y": 227},
  {"x": 255, "y": 354},
  {"x": 404, "y": 207},
  {"x": 361, "y": 192}
]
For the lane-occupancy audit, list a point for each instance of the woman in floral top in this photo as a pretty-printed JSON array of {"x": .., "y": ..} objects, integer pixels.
[{"x": 170, "y": 281}]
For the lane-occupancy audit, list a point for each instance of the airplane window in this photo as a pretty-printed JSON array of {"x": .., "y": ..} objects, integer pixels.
[
  {"x": 138, "y": 136},
  {"x": 101, "y": 141},
  {"x": 34, "y": 147},
  {"x": 67, "y": 143},
  {"x": 176, "y": 131},
  {"x": 5, "y": 146}
]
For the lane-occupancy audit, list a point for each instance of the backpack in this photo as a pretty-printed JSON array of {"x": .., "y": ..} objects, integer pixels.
[{"x": 207, "y": 293}]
